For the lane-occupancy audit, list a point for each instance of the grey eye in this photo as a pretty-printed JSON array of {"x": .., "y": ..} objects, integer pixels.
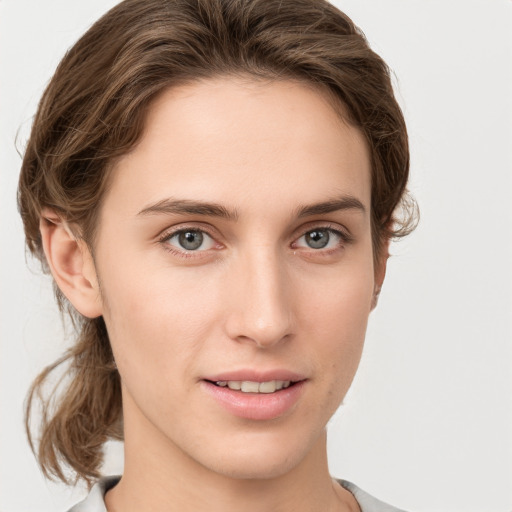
[
  {"x": 317, "y": 239},
  {"x": 190, "y": 240}
]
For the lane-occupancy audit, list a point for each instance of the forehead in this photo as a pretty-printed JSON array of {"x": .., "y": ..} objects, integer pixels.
[{"x": 228, "y": 140}]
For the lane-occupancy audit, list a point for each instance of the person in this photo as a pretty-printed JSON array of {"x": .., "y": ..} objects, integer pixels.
[{"x": 213, "y": 185}]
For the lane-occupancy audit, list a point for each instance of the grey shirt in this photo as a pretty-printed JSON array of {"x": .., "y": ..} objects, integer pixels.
[{"x": 95, "y": 501}]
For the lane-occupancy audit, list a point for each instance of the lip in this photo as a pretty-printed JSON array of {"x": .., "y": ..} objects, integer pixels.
[
  {"x": 256, "y": 406},
  {"x": 256, "y": 375}
]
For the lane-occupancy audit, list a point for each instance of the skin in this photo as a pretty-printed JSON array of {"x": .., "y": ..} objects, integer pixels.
[{"x": 254, "y": 296}]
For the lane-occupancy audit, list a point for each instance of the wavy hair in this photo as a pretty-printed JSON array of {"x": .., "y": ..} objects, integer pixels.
[{"x": 93, "y": 111}]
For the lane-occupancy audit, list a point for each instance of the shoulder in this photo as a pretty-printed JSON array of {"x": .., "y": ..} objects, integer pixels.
[
  {"x": 366, "y": 502},
  {"x": 95, "y": 501}
]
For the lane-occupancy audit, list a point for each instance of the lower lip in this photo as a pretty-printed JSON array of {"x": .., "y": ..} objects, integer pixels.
[{"x": 255, "y": 406}]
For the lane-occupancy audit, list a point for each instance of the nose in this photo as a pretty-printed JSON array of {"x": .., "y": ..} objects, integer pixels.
[{"x": 260, "y": 301}]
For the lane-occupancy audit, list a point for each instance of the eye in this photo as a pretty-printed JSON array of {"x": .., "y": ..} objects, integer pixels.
[
  {"x": 190, "y": 240},
  {"x": 321, "y": 238}
]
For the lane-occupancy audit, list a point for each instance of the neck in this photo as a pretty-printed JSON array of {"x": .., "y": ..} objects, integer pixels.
[{"x": 159, "y": 476}]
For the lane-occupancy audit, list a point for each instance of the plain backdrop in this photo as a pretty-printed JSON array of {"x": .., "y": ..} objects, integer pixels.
[{"x": 427, "y": 425}]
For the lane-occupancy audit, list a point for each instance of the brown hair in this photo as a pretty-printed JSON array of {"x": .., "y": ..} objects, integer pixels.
[{"x": 93, "y": 111}]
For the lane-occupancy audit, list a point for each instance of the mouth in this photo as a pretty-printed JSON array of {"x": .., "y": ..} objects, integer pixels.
[
  {"x": 248, "y": 386},
  {"x": 256, "y": 399}
]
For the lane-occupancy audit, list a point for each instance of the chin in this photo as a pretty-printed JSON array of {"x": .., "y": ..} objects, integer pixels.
[
  {"x": 260, "y": 459},
  {"x": 251, "y": 469}
]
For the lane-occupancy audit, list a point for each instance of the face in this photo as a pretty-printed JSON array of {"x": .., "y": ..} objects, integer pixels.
[{"x": 234, "y": 251}]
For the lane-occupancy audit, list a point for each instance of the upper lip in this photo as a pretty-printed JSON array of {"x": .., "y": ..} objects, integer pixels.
[{"x": 253, "y": 375}]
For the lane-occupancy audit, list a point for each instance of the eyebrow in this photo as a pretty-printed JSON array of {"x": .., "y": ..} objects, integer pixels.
[
  {"x": 332, "y": 205},
  {"x": 186, "y": 206}
]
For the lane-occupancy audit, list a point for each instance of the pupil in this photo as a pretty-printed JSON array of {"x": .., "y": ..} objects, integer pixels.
[
  {"x": 317, "y": 239},
  {"x": 191, "y": 240}
]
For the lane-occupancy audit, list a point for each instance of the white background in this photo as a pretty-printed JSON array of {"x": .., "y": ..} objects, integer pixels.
[{"x": 427, "y": 425}]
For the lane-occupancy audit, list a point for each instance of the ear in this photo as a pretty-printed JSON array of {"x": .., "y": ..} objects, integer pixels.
[
  {"x": 380, "y": 272},
  {"x": 71, "y": 264}
]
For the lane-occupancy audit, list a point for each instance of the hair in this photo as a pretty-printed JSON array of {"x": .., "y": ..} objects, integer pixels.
[{"x": 93, "y": 111}]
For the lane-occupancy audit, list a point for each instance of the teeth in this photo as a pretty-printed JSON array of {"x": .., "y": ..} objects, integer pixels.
[
  {"x": 267, "y": 387},
  {"x": 247, "y": 386},
  {"x": 250, "y": 387}
]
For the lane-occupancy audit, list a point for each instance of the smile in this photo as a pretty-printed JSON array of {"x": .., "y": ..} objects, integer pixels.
[
  {"x": 256, "y": 399},
  {"x": 247, "y": 386}
]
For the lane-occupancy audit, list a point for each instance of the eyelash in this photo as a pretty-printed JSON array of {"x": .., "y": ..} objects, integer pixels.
[
  {"x": 344, "y": 236},
  {"x": 344, "y": 239},
  {"x": 168, "y": 235}
]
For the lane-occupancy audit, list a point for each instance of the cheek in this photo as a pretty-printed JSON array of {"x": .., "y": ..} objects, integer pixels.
[
  {"x": 341, "y": 301},
  {"x": 338, "y": 316},
  {"x": 157, "y": 321}
]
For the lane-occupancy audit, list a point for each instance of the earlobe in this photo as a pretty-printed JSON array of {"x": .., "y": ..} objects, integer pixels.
[
  {"x": 380, "y": 273},
  {"x": 375, "y": 297},
  {"x": 71, "y": 264}
]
